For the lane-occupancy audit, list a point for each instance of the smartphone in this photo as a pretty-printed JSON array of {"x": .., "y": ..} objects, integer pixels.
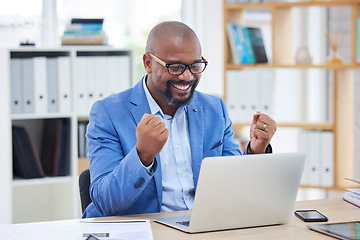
[{"x": 311, "y": 216}]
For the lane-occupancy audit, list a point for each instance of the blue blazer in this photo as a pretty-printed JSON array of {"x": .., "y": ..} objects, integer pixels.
[{"x": 120, "y": 185}]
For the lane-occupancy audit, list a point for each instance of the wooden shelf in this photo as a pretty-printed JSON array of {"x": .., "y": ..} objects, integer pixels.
[
  {"x": 230, "y": 66},
  {"x": 262, "y": 5},
  {"x": 283, "y": 56}
]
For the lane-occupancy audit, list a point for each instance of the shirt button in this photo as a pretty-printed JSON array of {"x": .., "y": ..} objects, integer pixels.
[
  {"x": 177, "y": 146},
  {"x": 181, "y": 172}
]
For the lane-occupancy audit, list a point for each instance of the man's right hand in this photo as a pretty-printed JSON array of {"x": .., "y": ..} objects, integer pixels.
[{"x": 151, "y": 136}]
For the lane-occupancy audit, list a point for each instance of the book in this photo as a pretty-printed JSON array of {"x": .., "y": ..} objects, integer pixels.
[
  {"x": 26, "y": 162},
  {"x": 84, "y": 31},
  {"x": 248, "y": 44},
  {"x": 231, "y": 30},
  {"x": 247, "y": 53},
  {"x": 84, "y": 39},
  {"x": 62, "y": 168},
  {"x": 255, "y": 41},
  {"x": 84, "y": 27},
  {"x": 241, "y": 52},
  {"x": 352, "y": 195},
  {"x": 87, "y": 20},
  {"x": 51, "y": 145}
]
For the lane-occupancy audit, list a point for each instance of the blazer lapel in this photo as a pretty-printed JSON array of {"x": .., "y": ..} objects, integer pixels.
[
  {"x": 196, "y": 135},
  {"x": 141, "y": 106},
  {"x": 138, "y": 99}
]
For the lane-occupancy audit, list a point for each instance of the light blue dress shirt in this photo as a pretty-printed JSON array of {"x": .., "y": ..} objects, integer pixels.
[{"x": 175, "y": 157}]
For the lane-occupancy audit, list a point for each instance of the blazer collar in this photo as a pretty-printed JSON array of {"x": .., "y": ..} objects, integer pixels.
[{"x": 138, "y": 99}]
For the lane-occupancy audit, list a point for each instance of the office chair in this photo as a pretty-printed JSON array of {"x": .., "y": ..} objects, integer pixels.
[{"x": 84, "y": 185}]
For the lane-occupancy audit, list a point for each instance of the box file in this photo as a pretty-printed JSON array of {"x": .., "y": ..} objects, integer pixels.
[
  {"x": 28, "y": 85},
  {"x": 64, "y": 83},
  {"x": 16, "y": 86},
  {"x": 40, "y": 85},
  {"x": 80, "y": 85},
  {"x": 53, "y": 87}
]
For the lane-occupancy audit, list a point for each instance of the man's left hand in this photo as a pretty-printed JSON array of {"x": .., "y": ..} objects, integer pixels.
[{"x": 262, "y": 130}]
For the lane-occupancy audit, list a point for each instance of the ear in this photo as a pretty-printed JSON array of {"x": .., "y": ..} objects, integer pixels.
[{"x": 147, "y": 63}]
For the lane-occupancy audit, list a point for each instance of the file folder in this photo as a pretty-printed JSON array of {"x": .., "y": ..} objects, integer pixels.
[
  {"x": 40, "y": 81},
  {"x": 64, "y": 81},
  {"x": 16, "y": 86},
  {"x": 28, "y": 85},
  {"x": 53, "y": 87},
  {"x": 327, "y": 159},
  {"x": 80, "y": 85}
]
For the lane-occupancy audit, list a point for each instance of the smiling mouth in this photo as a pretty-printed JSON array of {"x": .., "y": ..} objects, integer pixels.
[{"x": 182, "y": 87}]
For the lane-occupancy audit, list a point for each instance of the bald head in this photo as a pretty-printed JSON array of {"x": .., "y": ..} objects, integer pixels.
[{"x": 169, "y": 29}]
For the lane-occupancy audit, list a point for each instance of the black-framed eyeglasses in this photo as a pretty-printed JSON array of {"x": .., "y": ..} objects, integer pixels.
[{"x": 179, "y": 68}]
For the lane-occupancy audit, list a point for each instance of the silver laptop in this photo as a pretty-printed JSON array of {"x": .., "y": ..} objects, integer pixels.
[{"x": 243, "y": 191}]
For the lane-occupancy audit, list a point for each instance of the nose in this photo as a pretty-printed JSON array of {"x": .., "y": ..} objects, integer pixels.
[{"x": 186, "y": 75}]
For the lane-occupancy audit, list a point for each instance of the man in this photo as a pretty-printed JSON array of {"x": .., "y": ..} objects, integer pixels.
[{"x": 146, "y": 144}]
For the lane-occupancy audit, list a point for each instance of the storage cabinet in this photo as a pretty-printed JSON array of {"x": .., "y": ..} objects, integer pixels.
[
  {"x": 344, "y": 108},
  {"x": 89, "y": 74}
]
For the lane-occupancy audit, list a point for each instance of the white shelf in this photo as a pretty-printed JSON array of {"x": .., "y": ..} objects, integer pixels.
[
  {"x": 51, "y": 198},
  {"x": 40, "y": 181},
  {"x": 40, "y": 116}
]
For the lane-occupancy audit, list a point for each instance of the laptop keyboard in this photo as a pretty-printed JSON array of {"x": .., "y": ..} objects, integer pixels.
[{"x": 185, "y": 223}]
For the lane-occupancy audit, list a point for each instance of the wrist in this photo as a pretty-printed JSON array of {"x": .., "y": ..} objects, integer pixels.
[
  {"x": 146, "y": 159},
  {"x": 268, "y": 149}
]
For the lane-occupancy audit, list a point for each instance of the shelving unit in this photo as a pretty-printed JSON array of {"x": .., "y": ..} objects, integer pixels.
[
  {"x": 50, "y": 198},
  {"x": 283, "y": 58}
]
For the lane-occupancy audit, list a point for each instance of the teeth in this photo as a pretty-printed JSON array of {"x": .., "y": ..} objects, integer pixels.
[{"x": 181, "y": 87}]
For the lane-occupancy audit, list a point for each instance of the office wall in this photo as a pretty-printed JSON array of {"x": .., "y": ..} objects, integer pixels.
[{"x": 206, "y": 18}]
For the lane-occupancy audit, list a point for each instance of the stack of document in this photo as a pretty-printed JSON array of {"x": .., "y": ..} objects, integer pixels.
[{"x": 353, "y": 195}]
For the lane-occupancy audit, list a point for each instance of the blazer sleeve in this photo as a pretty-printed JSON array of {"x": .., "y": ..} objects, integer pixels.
[{"x": 111, "y": 190}]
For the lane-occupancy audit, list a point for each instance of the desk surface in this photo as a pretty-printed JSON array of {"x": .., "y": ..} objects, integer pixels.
[{"x": 336, "y": 209}]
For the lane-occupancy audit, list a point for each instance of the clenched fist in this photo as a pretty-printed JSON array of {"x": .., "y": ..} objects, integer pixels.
[
  {"x": 262, "y": 130},
  {"x": 151, "y": 136}
]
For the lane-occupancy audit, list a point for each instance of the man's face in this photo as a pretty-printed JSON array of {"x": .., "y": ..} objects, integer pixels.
[{"x": 174, "y": 90}]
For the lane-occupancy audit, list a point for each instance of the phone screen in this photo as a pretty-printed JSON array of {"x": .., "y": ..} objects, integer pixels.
[{"x": 311, "y": 216}]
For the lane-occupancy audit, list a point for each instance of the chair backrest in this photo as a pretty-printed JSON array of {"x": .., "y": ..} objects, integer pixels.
[{"x": 84, "y": 185}]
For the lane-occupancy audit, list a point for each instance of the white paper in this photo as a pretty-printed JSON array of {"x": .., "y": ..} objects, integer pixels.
[
  {"x": 125, "y": 229},
  {"x": 78, "y": 230},
  {"x": 357, "y": 191}
]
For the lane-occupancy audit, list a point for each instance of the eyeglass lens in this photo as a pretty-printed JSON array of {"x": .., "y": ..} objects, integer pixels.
[{"x": 178, "y": 68}]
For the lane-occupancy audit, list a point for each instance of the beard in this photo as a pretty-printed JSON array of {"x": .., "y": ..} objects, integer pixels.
[{"x": 176, "y": 102}]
